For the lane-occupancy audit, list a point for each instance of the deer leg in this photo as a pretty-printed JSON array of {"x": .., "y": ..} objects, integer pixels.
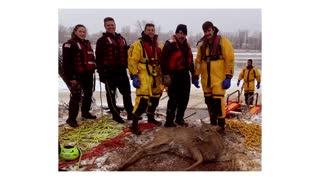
[
  {"x": 137, "y": 155},
  {"x": 161, "y": 150},
  {"x": 142, "y": 153},
  {"x": 197, "y": 156},
  {"x": 156, "y": 142}
]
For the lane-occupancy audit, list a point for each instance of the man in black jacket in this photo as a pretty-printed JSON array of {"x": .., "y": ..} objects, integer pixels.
[
  {"x": 111, "y": 58},
  {"x": 177, "y": 65}
]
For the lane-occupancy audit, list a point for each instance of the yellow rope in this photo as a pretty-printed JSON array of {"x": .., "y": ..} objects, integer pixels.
[
  {"x": 251, "y": 132},
  {"x": 90, "y": 133}
]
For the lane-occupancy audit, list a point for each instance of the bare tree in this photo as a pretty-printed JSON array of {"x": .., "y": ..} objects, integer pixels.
[
  {"x": 240, "y": 40},
  {"x": 94, "y": 37},
  {"x": 63, "y": 33},
  {"x": 158, "y": 29},
  {"x": 140, "y": 25}
]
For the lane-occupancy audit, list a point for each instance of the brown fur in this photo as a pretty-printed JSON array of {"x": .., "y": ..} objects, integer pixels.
[{"x": 201, "y": 144}]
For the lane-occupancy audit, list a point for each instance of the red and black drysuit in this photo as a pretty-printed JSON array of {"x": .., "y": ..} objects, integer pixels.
[
  {"x": 177, "y": 61},
  {"x": 111, "y": 55},
  {"x": 79, "y": 65}
]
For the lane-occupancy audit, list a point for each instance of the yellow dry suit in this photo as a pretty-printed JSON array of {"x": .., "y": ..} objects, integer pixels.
[
  {"x": 249, "y": 75},
  {"x": 143, "y": 61},
  {"x": 214, "y": 61}
]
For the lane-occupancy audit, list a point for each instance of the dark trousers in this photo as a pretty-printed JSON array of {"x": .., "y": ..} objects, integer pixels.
[
  {"x": 178, "y": 92},
  {"x": 120, "y": 81},
  {"x": 247, "y": 95},
  {"x": 85, "y": 88}
]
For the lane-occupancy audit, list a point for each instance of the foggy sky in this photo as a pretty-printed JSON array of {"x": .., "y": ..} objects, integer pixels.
[{"x": 227, "y": 20}]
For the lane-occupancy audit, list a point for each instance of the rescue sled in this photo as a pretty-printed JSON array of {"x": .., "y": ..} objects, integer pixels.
[
  {"x": 233, "y": 106},
  {"x": 256, "y": 108}
]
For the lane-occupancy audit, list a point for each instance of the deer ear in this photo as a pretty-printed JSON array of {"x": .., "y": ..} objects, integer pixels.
[{"x": 202, "y": 122}]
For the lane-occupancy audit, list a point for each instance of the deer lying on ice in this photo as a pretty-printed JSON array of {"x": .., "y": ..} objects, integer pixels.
[{"x": 201, "y": 143}]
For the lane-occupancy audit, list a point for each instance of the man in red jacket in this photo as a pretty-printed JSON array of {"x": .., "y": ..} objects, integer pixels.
[{"x": 176, "y": 65}]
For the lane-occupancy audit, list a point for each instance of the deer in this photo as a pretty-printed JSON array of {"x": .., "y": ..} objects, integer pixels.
[{"x": 199, "y": 143}]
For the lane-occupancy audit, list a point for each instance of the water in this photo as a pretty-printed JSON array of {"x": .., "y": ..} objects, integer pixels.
[{"x": 241, "y": 58}]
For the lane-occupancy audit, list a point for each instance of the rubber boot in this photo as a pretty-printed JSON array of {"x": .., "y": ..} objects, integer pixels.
[
  {"x": 221, "y": 124},
  {"x": 151, "y": 110},
  {"x": 135, "y": 128},
  {"x": 170, "y": 116},
  {"x": 72, "y": 122},
  {"x": 212, "y": 114},
  {"x": 117, "y": 118},
  {"x": 87, "y": 115},
  {"x": 129, "y": 116},
  {"x": 73, "y": 108},
  {"x": 182, "y": 123},
  {"x": 152, "y": 120},
  {"x": 142, "y": 106},
  {"x": 169, "y": 122}
]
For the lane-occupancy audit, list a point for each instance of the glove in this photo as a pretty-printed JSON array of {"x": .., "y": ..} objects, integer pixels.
[
  {"x": 258, "y": 85},
  {"x": 226, "y": 82},
  {"x": 136, "y": 81},
  {"x": 195, "y": 81},
  {"x": 238, "y": 83},
  {"x": 166, "y": 80}
]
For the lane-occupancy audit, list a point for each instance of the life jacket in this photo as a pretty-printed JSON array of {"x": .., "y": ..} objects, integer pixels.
[
  {"x": 214, "y": 50},
  {"x": 84, "y": 57},
  {"x": 152, "y": 53},
  {"x": 115, "y": 52},
  {"x": 177, "y": 61}
]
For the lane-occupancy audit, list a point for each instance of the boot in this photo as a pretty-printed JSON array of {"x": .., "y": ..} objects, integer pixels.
[
  {"x": 182, "y": 123},
  {"x": 142, "y": 106},
  {"x": 135, "y": 128},
  {"x": 170, "y": 117},
  {"x": 151, "y": 109},
  {"x": 152, "y": 120},
  {"x": 88, "y": 116},
  {"x": 221, "y": 123},
  {"x": 73, "y": 108},
  {"x": 117, "y": 118},
  {"x": 129, "y": 116},
  {"x": 72, "y": 122},
  {"x": 213, "y": 116},
  {"x": 169, "y": 123},
  {"x": 213, "y": 120}
]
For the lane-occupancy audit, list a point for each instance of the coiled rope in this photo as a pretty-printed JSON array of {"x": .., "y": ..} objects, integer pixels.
[
  {"x": 251, "y": 132},
  {"x": 93, "y": 137}
]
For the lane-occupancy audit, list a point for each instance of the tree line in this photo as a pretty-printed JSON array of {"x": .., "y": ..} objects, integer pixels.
[{"x": 241, "y": 39}]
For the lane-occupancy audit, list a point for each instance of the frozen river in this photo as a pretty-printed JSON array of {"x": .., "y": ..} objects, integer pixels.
[{"x": 241, "y": 58}]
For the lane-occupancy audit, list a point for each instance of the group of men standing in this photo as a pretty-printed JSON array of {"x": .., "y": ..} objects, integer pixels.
[{"x": 153, "y": 66}]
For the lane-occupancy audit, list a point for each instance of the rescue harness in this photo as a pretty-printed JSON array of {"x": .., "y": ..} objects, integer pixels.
[
  {"x": 152, "y": 53},
  {"x": 214, "y": 54}
]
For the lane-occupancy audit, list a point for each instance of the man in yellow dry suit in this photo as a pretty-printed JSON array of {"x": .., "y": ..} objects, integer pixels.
[
  {"x": 215, "y": 64},
  {"x": 143, "y": 63},
  {"x": 249, "y": 74}
]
